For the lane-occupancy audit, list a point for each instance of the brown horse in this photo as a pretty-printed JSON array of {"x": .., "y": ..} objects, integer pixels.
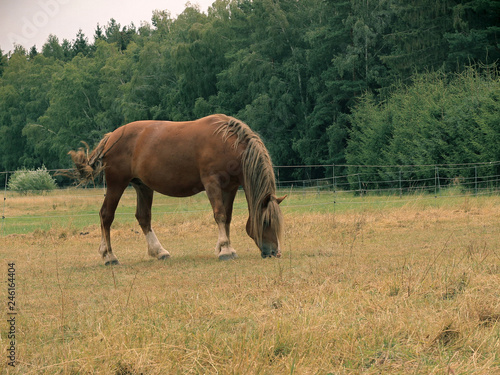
[{"x": 216, "y": 154}]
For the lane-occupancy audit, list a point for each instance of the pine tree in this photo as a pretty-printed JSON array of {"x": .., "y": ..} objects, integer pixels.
[
  {"x": 33, "y": 52},
  {"x": 3, "y": 62},
  {"x": 52, "y": 48},
  {"x": 80, "y": 45}
]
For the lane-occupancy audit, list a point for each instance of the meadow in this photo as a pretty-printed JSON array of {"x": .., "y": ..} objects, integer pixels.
[{"x": 366, "y": 285}]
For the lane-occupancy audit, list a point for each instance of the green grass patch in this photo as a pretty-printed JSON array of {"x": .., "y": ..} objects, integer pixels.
[{"x": 74, "y": 209}]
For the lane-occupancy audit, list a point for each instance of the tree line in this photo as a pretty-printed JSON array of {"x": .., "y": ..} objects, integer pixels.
[{"x": 322, "y": 81}]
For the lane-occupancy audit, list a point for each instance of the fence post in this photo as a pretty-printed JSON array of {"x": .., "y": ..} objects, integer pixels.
[
  {"x": 4, "y": 202},
  {"x": 400, "y": 187},
  {"x": 359, "y": 182},
  {"x": 333, "y": 177},
  {"x": 277, "y": 172},
  {"x": 334, "y": 189},
  {"x": 475, "y": 180},
  {"x": 437, "y": 182}
]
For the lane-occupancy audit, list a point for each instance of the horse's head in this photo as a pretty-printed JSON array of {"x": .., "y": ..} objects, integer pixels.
[{"x": 266, "y": 226}]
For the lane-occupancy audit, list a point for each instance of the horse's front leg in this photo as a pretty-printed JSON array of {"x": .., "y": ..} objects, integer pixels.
[
  {"x": 222, "y": 205},
  {"x": 223, "y": 249},
  {"x": 107, "y": 214}
]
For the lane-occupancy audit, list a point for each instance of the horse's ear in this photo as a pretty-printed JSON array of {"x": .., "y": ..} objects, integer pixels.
[
  {"x": 279, "y": 200},
  {"x": 267, "y": 199}
]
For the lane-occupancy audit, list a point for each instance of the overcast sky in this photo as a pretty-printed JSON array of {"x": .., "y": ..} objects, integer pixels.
[{"x": 30, "y": 22}]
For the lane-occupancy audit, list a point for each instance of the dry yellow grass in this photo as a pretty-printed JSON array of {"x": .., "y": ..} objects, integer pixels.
[{"x": 406, "y": 289}]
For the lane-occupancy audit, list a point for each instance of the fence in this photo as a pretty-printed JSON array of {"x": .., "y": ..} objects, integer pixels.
[
  {"x": 333, "y": 185},
  {"x": 400, "y": 179},
  {"x": 392, "y": 179}
]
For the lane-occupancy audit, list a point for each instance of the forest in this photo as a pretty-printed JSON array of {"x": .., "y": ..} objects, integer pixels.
[{"x": 322, "y": 81}]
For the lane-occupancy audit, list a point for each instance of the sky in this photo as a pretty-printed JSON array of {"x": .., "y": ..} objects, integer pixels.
[{"x": 30, "y": 22}]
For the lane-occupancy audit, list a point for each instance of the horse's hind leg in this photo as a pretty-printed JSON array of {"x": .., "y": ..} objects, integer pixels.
[
  {"x": 143, "y": 215},
  {"x": 107, "y": 214}
]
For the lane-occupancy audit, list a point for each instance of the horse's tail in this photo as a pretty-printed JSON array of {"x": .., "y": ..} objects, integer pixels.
[{"x": 88, "y": 167}]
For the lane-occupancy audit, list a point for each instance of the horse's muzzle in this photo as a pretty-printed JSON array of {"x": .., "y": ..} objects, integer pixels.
[{"x": 269, "y": 252}]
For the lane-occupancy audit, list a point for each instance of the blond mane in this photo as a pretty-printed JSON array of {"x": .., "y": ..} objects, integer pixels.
[{"x": 258, "y": 176}]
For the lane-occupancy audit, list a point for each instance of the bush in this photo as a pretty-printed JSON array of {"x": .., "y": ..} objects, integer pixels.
[{"x": 26, "y": 180}]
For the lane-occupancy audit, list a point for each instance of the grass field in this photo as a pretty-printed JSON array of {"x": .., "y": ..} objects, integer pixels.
[{"x": 368, "y": 285}]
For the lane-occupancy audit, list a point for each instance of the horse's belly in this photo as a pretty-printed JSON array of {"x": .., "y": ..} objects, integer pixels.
[
  {"x": 180, "y": 191},
  {"x": 174, "y": 184}
]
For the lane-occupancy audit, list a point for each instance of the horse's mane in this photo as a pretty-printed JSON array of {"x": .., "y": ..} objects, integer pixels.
[{"x": 258, "y": 176}]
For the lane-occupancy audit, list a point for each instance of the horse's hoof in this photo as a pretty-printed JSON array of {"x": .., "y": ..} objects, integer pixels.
[
  {"x": 113, "y": 262},
  {"x": 228, "y": 256},
  {"x": 164, "y": 257}
]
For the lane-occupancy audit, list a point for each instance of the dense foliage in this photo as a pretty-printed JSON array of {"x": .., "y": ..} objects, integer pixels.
[
  {"x": 293, "y": 70},
  {"x": 26, "y": 181},
  {"x": 438, "y": 119}
]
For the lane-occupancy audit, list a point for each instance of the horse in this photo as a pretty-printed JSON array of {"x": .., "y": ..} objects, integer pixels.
[{"x": 216, "y": 154}]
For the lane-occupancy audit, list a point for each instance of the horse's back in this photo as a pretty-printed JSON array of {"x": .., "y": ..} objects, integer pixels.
[{"x": 170, "y": 157}]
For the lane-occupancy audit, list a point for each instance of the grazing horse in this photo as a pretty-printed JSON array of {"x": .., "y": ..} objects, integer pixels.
[{"x": 216, "y": 154}]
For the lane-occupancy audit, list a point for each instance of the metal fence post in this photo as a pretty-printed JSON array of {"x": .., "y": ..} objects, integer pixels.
[
  {"x": 4, "y": 203},
  {"x": 437, "y": 182},
  {"x": 475, "y": 180},
  {"x": 400, "y": 186},
  {"x": 333, "y": 177}
]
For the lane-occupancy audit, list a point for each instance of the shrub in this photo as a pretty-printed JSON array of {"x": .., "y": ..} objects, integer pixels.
[{"x": 26, "y": 180}]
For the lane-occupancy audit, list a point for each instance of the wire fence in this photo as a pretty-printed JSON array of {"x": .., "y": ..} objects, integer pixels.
[
  {"x": 392, "y": 179},
  {"x": 327, "y": 185}
]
